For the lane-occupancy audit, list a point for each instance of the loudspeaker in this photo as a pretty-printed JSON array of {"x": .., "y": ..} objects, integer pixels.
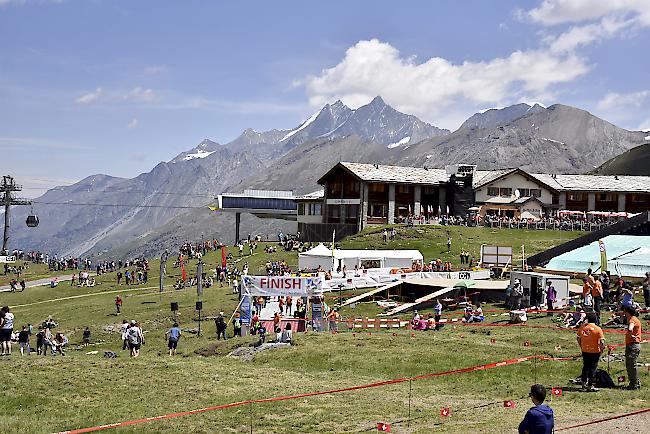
[
  {"x": 199, "y": 305},
  {"x": 174, "y": 306}
]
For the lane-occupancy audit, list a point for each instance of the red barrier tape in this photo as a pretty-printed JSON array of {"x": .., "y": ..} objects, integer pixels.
[
  {"x": 323, "y": 392},
  {"x": 634, "y": 413}
]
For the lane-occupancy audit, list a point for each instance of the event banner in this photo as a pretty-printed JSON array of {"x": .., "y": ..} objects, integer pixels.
[{"x": 282, "y": 285}]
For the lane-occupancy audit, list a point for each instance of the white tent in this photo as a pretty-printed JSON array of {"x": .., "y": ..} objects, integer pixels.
[{"x": 321, "y": 255}]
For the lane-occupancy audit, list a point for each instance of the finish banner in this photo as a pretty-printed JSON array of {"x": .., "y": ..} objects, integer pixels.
[{"x": 282, "y": 285}]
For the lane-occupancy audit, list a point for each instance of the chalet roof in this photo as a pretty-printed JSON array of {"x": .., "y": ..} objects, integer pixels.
[
  {"x": 395, "y": 174},
  {"x": 418, "y": 175}
]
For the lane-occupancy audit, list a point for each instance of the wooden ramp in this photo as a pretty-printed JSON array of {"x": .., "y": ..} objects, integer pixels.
[
  {"x": 360, "y": 297},
  {"x": 407, "y": 306}
]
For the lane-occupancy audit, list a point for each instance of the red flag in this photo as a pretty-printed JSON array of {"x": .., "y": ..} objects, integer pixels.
[
  {"x": 183, "y": 273},
  {"x": 383, "y": 427},
  {"x": 556, "y": 391},
  {"x": 445, "y": 412},
  {"x": 509, "y": 404},
  {"x": 493, "y": 341},
  {"x": 223, "y": 256},
  {"x": 621, "y": 379},
  {"x": 527, "y": 344}
]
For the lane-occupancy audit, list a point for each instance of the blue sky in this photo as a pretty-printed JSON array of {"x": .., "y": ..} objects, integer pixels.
[{"x": 117, "y": 86}]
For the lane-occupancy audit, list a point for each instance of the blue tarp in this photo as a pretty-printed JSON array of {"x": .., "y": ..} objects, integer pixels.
[{"x": 627, "y": 255}]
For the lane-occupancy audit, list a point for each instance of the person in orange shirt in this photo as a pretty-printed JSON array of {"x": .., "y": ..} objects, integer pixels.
[
  {"x": 591, "y": 340},
  {"x": 597, "y": 294},
  {"x": 632, "y": 346},
  {"x": 586, "y": 289}
]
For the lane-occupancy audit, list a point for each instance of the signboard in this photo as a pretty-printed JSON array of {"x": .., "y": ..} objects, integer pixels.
[
  {"x": 7, "y": 259},
  {"x": 343, "y": 201},
  {"x": 245, "y": 310},
  {"x": 317, "y": 316},
  {"x": 496, "y": 255},
  {"x": 282, "y": 285}
]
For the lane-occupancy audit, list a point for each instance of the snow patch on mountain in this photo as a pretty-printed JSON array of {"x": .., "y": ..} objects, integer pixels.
[
  {"x": 304, "y": 125},
  {"x": 646, "y": 138},
  {"x": 404, "y": 141},
  {"x": 198, "y": 154},
  {"x": 554, "y": 141}
]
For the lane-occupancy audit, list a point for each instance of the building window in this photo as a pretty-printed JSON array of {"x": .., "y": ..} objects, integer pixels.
[
  {"x": 352, "y": 212},
  {"x": 535, "y": 192},
  {"x": 576, "y": 197},
  {"x": 334, "y": 189},
  {"x": 403, "y": 189},
  {"x": 301, "y": 209},
  {"x": 334, "y": 212},
  {"x": 377, "y": 210},
  {"x": 506, "y": 192},
  {"x": 493, "y": 191},
  {"x": 607, "y": 197},
  {"x": 377, "y": 188},
  {"x": 314, "y": 209}
]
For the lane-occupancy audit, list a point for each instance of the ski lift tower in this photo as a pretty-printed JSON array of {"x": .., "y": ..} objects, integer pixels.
[{"x": 7, "y": 187}]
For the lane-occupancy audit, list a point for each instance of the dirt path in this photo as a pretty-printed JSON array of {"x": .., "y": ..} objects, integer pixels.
[{"x": 638, "y": 423}]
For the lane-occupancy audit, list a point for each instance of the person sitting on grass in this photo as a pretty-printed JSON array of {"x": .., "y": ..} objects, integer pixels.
[
  {"x": 575, "y": 319},
  {"x": 539, "y": 419},
  {"x": 286, "y": 335}
]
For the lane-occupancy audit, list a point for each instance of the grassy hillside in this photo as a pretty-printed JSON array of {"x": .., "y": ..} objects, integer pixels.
[
  {"x": 636, "y": 161},
  {"x": 45, "y": 394}
]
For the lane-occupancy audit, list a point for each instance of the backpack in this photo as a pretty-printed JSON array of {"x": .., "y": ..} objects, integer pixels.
[
  {"x": 603, "y": 380},
  {"x": 133, "y": 336},
  {"x": 110, "y": 355}
]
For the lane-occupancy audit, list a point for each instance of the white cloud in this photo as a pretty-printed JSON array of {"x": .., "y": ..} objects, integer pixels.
[
  {"x": 133, "y": 123},
  {"x": 614, "y": 99},
  {"x": 140, "y": 94},
  {"x": 554, "y": 12},
  {"x": 432, "y": 88},
  {"x": 90, "y": 96},
  {"x": 598, "y": 19}
]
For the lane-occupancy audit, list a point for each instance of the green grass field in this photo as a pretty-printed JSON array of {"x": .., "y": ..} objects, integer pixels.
[{"x": 47, "y": 394}]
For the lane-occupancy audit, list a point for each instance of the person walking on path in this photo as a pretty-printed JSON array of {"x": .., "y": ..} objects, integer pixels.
[
  {"x": 135, "y": 338},
  {"x": 539, "y": 419},
  {"x": 118, "y": 304},
  {"x": 173, "y": 335},
  {"x": 591, "y": 340},
  {"x": 551, "y": 295},
  {"x": 448, "y": 243},
  {"x": 632, "y": 346},
  {"x": 6, "y": 329}
]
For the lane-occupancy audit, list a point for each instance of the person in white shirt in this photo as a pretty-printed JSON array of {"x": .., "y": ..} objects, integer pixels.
[{"x": 6, "y": 329}]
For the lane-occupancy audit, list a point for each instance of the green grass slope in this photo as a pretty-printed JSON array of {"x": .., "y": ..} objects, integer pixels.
[{"x": 45, "y": 394}]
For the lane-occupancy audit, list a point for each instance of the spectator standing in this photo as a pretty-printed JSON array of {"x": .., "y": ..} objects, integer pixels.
[
  {"x": 236, "y": 324},
  {"x": 23, "y": 341},
  {"x": 6, "y": 329},
  {"x": 632, "y": 346},
  {"x": 539, "y": 419},
  {"x": 221, "y": 326},
  {"x": 551, "y": 295},
  {"x": 592, "y": 342},
  {"x": 86, "y": 337},
  {"x": 124, "y": 329},
  {"x": 438, "y": 310}
]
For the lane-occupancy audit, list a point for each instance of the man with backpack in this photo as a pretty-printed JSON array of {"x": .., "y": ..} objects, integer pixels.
[
  {"x": 173, "y": 335},
  {"x": 135, "y": 338},
  {"x": 221, "y": 326}
]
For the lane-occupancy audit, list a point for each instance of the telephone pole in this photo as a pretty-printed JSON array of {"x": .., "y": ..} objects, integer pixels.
[{"x": 9, "y": 186}]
